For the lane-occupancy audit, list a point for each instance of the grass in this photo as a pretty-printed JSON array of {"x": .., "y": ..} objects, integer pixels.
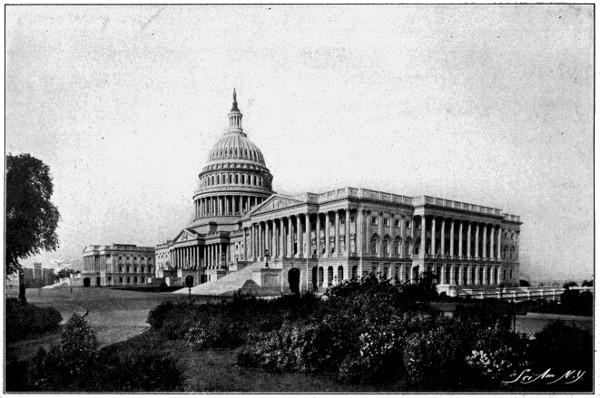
[{"x": 217, "y": 371}]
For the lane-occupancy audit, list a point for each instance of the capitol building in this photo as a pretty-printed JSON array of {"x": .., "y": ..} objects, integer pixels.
[{"x": 246, "y": 235}]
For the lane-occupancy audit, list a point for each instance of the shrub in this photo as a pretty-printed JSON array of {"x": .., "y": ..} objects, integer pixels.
[
  {"x": 498, "y": 354},
  {"x": 23, "y": 320},
  {"x": 215, "y": 332},
  {"x": 562, "y": 346},
  {"x": 433, "y": 356},
  {"x": 380, "y": 354}
]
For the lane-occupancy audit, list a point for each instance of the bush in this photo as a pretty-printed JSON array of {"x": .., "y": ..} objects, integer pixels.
[
  {"x": 562, "y": 346},
  {"x": 23, "y": 320},
  {"x": 433, "y": 356},
  {"x": 215, "y": 332},
  {"x": 498, "y": 354}
]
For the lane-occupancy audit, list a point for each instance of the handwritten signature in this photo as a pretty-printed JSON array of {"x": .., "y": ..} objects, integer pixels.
[{"x": 528, "y": 376}]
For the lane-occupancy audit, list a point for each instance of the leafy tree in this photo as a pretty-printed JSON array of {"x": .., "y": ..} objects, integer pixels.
[
  {"x": 64, "y": 273},
  {"x": 523, "y": 283},
  {"x": 31, "y": 218},
  {"x": 570, "y": 285},
  {"x": 587, "y": 283}
]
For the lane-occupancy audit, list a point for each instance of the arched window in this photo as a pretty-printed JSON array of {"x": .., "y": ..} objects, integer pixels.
[
  {"x": 236, "y": 178},
  {"x": 374, "y": 244},
  {"x": 254, "y": 180},
  {"x": 398, "y": 246},
  {"x": 218, "y": 179},
  {"x": 386, "y": 246},
  {"x": 230, "y": 179}
]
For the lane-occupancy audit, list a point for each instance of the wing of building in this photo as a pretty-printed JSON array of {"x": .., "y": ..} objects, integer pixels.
[{"x": 311, "y": 241}]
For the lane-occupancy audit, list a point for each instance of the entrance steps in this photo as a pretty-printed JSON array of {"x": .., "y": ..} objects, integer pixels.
[{"x": 234, "y": 282}]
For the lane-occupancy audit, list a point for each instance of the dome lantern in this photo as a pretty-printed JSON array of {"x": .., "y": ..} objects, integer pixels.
[{"x": 235, "y": 117}]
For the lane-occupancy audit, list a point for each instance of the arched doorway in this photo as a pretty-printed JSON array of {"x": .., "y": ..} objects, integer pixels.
[
  {"x": 315, "y": 284},
  {"x": 98, "y": 281},
  {"x": 340, "y": 275},
  {"x": 86, "y": 282},
  {"x": 294, "y": 280},
  {"x": 321, "y": 277},
  {"x": 355, "y": 272},
  {"x": 330, "y": 276}
]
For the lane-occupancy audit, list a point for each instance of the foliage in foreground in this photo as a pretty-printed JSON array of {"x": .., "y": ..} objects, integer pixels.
[
  {"x": 23, "y": 320},
  {"x": 76, "y": 365}
]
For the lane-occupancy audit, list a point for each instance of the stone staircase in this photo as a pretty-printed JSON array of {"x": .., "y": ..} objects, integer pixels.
[{"x": 238, "y": 281}]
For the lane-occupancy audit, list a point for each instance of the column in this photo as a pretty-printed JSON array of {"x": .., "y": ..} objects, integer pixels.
[
  {"x": 267, "y": 240},
  {"x": 337, "y": 233},
  {"x": 460, "y": 275},
  {"x": 469, "y": 240},
  {"x": 452, "y": 274},
  {"x": 367, "y": 231},
  {"x": 327, "y": 230},
  {"x": 492, "y": 232},
  {"x": 476, "y": 240},
  {"x": 443, "y": 275},
  {"x": 402, "y": 273},
  {"x": 276, "y": 240},
  {"x": 484, "y": 241},
  {"x": 517, "y": 233},
  {"x": 451, "y": 238},
  {"x": 433, "y": 236},
  {"x": 380, "y": 232},
  {"x": 281, "y": 238},
  {"x": 347, "y": 238},
  {"x": 443, "y": 237},
  {"x": 423, "y": 235},
  {"x": 308, "y": 240},
  {"x": 318, "y": 235},
  {"x": 299, "y": 254},
  {"x": 469, "y": 274},
  {"x": 290, "y": 241},
  {"x": 499, "y": 247},
  {"x": 359, "y": 232},
  {"x": 218, "y": 262}
]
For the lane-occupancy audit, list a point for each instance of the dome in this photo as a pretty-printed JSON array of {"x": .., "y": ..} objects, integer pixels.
[{"x": 235, "y": 146}]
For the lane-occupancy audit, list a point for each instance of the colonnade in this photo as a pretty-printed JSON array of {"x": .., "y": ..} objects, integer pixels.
[
  {"x": 210, "y": 256},
  {"x": 225, "y": 205},
  {"x": 442, "y": 237},
  {"x": 470, "y": 275},
  {"x": 326, "y": 234}
]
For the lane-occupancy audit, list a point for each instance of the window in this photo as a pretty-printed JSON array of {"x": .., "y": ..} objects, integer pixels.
[
  {"x": 386, "y": 222},
  {"x": 397, "y": 223},
  {"x": 374, "y": 220},
  {"x": 120, "y": 280},
  {"x": 408, "y": 225}
]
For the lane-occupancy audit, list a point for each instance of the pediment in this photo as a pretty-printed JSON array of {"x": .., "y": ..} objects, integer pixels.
[
  {"x": 185, "y": 235},
  {"x": 275, "y": 202}
]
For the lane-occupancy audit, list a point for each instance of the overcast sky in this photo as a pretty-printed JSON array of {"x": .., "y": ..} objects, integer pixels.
[{"x": 491, "y": 105}]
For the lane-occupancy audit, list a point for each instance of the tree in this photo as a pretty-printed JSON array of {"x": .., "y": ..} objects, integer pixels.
[
  {"x": 569, "y": 285},
  {"x": 587, "y": 283},
  {"x": 31, "y": 218},
  {"x": 523, "y": 283},
  {"x": 64, "y": 273}
]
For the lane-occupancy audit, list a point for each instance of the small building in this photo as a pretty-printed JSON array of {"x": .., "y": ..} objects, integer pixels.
[{"x": 118, "y": 265}]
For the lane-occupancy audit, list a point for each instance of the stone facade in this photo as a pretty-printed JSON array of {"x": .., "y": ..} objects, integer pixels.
[
  {"x": 118, "y": 265},
  {"x": 318, "y": 240}
]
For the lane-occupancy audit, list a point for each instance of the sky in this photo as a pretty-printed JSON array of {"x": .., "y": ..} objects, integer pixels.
[{"x": 485, "y": 104}]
